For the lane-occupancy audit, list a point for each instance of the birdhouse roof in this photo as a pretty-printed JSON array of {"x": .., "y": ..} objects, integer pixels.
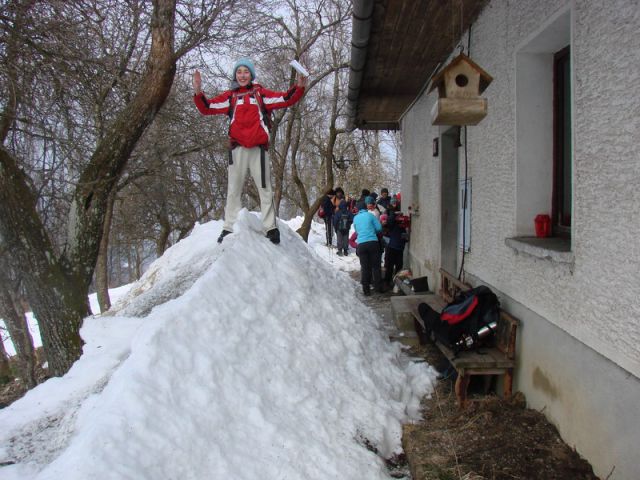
[{"x": 485, "y": 78}]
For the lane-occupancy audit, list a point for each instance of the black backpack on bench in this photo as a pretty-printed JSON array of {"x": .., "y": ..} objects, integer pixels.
[{"x": 458, "y": 324}]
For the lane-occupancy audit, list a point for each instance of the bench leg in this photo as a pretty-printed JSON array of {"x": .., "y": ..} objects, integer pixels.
[
  {"x": 508, "y": 382},
  {"x": 462, "y": 382}
]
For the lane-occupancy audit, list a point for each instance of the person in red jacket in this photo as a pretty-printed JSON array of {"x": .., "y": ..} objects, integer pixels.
[{"x": 248, "y": 106}]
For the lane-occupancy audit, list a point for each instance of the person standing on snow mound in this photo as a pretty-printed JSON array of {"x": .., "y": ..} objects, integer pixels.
[{"x": 248, "y": 106}]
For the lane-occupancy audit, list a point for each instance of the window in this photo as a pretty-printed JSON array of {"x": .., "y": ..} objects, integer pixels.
[
  {"x": 561, "y": 210},
  {"x": 543, "y": 128}
]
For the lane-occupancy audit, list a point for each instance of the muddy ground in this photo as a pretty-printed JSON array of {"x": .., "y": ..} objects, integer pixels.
[{"x": 491, "y": 439}]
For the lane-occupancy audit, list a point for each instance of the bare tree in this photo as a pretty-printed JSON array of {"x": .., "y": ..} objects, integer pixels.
[
  {"x": 308, "y": 25},
  {"x": 5, "y": 368},
  {"x": 57, "y": 281},
  {"x": 102, "y": 270},
  {"x": 12, "y": 311}
]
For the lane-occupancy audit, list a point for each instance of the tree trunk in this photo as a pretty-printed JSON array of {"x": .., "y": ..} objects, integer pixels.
[
  {"x": 16, "y": 323},
  {"x": 163, "y": 236},
  {"x": 57, "y": 302},
  {"x": 328, "y": 161},
  {"x": 280, "y": 159},
  {"x": 57, "y": 287},
  {"x": 304, "y": 229},
  {"x": 102, "y": 264},
  {"x": 113, "y": 152},
  {"x": 5, "y": 369}
]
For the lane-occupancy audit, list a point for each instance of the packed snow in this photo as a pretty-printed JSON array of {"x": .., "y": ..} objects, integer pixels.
[{"x": 240, "y": 360}]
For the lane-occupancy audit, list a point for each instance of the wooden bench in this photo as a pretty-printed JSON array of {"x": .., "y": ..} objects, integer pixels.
[{"x": 495, "y": 359}]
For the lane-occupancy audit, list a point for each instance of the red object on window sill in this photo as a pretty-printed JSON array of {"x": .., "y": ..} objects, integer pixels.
[{"x": 543, "y": 225}]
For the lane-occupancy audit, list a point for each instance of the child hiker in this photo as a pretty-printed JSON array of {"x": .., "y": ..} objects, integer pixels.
[{"x": 248, "y": 106}]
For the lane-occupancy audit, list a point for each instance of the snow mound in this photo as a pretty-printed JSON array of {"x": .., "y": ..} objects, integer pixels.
[
  {"x": 173, "y": 273},
  {"x": 266, "y": 366}
]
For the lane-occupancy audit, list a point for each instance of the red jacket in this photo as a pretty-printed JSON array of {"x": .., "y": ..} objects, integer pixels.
[{"x": 248, "y": 126}]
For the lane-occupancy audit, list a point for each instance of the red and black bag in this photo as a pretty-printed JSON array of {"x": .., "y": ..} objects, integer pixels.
[{"x": 462, "y": 318}]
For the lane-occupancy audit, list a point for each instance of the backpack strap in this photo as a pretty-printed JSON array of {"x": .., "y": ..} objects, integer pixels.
[{"x": 266, "y": 115}]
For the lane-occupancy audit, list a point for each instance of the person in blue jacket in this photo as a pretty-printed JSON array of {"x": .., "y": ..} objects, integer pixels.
[{"x": 367, "y": 226}]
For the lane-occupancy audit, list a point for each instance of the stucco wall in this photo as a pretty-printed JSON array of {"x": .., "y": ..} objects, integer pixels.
[
  {"x": 592, "y": 401},
  {"x": 417, "y": 134},
  {"x": 595, "y": 298},
  {"x": 590, "y": 305}
]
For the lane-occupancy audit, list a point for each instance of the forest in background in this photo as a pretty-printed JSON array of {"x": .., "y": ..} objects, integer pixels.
[{"x": 105, "y": 162}]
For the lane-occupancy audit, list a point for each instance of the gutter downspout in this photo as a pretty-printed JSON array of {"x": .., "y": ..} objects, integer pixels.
[{"x": 360, "y": 32}]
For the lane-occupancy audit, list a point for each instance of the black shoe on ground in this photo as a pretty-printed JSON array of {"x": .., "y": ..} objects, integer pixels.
[
  {"x": 346, "y": 253},
  {"x": 223, "y": 234},
  {"x": 366, "y": 291},
  {"x": 274, "y": 235}
]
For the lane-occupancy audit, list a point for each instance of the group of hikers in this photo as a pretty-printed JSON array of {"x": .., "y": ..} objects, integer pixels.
[{"x": 379, "y": 227}]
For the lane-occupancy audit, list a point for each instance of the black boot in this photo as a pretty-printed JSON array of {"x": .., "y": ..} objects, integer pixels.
[
  {"x": 366, "y": 290},
  {"x": 223, "y": 234},
  {"x": 274, "y": 235}
]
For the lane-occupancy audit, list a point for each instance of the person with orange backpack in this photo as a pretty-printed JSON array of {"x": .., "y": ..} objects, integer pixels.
[{"x": 248, "y": 106}]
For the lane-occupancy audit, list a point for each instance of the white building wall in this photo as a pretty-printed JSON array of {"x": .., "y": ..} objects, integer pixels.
[{"x": 590, "y": 305}]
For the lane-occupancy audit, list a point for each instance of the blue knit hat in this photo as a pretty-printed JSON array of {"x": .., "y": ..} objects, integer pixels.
[
  {"x": 369, "y": 200},
  {"x": 245, "y": 62}
]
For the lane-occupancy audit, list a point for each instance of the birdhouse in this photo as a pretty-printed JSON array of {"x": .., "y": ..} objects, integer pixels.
[{"x": 459, "y": 87}]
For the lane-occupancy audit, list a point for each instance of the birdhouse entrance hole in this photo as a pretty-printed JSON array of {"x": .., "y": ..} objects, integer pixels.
[{"x": 462, "y": 80}]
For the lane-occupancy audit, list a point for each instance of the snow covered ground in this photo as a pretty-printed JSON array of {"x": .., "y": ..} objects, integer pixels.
[{"x": 244, "y": 360}]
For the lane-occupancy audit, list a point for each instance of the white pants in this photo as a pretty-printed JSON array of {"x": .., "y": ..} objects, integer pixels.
[{"x": 243, "y": 159}]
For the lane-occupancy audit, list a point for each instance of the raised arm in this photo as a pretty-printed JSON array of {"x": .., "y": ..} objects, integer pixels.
[
  {"x": 218, "y": 105},
  {"x": 275, "y": 100},
  {"x": 197, "y": 82}
]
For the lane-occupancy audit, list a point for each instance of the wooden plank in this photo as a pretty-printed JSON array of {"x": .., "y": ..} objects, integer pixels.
[
  {"x": 465, "y": 362},
  {"x": 506, "y": 334},
  {"x": 483, "y": 358},
  {"x": 459, "y": 111},
  {"x": 486, "y": 371},
  {"x": 454, "y": 280},
  {"x": 451, "y": 286}
]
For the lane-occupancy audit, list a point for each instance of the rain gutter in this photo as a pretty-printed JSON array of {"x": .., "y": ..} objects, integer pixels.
[{"x": 360, "y": 32}]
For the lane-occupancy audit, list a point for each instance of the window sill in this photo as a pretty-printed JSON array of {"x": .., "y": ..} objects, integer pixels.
[{"x": 554, "y": 249}]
